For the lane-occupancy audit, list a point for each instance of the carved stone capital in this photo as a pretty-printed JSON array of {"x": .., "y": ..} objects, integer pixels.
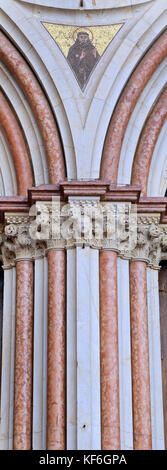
[
  {"x": 101, "y": 226},
  {"x": 141, "y": 250},
  {"x": 7, "y": 256},
  {"x": 18, "y": 244},
  {"x": 151, "y": 241}
]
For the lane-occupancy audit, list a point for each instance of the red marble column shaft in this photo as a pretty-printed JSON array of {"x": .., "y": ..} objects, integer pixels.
[
  {"x": 126, "y": 105},
  {"x": 148, "y": 139},
  {"x": 17, "y": 146},
  {"x": 110, "y": 416},
  {"x": 56, "y": 412},
  {"x": 140, "y": 357},
  {"x": 23, "y": 356}
]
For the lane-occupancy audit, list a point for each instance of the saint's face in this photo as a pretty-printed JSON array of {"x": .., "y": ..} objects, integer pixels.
[{"x": 83, "y": 38}]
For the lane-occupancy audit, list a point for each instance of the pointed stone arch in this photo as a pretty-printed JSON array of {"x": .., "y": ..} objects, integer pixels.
[
  {"x": 126, "y": 105},
  {"x": 36, "y": 98}
]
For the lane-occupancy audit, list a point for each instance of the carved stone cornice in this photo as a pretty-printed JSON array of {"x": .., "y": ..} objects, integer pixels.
[{"x": 86, "y": 188}]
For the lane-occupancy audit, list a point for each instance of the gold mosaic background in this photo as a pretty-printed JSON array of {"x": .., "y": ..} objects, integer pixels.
[{"x": 65, "y": 36}]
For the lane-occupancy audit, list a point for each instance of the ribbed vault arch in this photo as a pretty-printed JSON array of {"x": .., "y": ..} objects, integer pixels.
[
  {"x": 147, "y": 142},
  {"x": 39, "y": 105},
  {"x": 28, "y": 123},
  {"x": 17, "y": 145},
  {"x": 157, "y": 180},
  {"x": 126, "y": 104},
  {"x": 8, "y": 183},
  {"x": 137, "y": 121}
]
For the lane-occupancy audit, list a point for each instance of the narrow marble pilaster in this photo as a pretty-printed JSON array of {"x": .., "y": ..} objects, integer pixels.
[
  {"x": 12, "y": 363},
  {"x": 140, "y": 357},
  {"x": 7, "y": 377},
  {"x": 88, "y": 349},
  {"x": 40, "y": 355},
  {"x": 125, "y": 373},
  {"x": 23, "y": 356},
  {"x": 83, "y": 350},
  {"x": 56, "y": 406},
  {"x": 71, "y": 364},
  {"x": 157, "y": 417},
  {"x": 110, "y": 413}
]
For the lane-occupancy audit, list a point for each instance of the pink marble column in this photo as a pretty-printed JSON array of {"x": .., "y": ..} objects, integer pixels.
[
  {"x": 56, "y": 351},
  {"x": 23, "y": 356},
  {"x": 140, "y": 357},
  {"x": 109, "y": 351}
]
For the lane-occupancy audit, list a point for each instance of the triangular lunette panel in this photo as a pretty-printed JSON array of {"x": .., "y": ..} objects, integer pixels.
[{"x": 82, "y": 46}]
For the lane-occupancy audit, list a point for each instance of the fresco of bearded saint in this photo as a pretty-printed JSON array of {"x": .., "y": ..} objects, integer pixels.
[{"x": 82, "y": 57}]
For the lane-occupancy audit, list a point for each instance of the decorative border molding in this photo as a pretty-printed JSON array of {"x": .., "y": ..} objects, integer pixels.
[
  {"x": 86, "y": 188},
  {"x": 87, "y": 4}
]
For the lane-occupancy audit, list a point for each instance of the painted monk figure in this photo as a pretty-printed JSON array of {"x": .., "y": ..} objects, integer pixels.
[{"x": 82, "y": 57}]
